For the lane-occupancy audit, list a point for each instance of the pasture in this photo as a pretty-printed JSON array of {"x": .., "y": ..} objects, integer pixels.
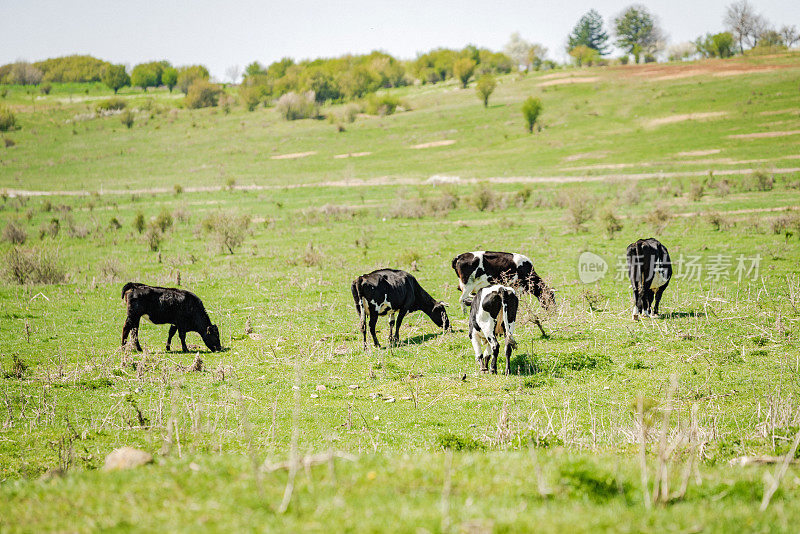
[{"x": 604, "y": 423}]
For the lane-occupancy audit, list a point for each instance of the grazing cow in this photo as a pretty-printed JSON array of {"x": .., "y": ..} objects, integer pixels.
[
  {"x": 181, "y": 309},
  {"x": 483, "y": 268},
  {"x": 649, "y": 269},
  {"x": 393, "y": 292},
  {"x": 493, "y": 312}
]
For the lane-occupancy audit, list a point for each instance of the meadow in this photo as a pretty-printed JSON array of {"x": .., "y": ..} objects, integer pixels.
[{"x": 605, "y": 423}]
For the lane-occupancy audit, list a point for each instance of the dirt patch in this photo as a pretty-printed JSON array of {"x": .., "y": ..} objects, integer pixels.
[
  {"x": 686, "y": 117},
  {"x": 793, "y": 111},
  {"x": 569, "y": 81},
  {"x": 764, "y": 135},
  {"x": 294, "y": 156},
  {"x": 351, "y": 155},
  {"x": 714, "y": 67},
  {"x": 432, "y": 144},
  {"x": 680, "y": 75},
  {"x": 693, "y": 153},
  {"x": 739, "y": 72},
  {"x": 586, "y": 155}
]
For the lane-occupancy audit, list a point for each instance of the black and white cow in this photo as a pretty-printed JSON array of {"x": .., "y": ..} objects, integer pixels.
[
  {"x": 396, "y": 293},
  {"x": 483, "y": 268},
  {"x": 649, "y": 269},
  {"x": 181, "y": 309},
  {"x": 493, "y": 312}
]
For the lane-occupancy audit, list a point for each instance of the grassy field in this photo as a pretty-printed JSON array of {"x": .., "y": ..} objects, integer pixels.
[{"x": 595, "y": 414}]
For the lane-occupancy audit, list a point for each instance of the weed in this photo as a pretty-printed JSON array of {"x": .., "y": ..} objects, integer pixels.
[
  {"x": 32, "y": 266},
  {"x": 451, "y": 442}
]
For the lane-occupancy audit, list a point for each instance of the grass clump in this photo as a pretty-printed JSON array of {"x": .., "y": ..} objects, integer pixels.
[
  {"x": 453, "y": 442},
  {"x": 111, "y": 104},
  {"x": 33, "y": 266},
  {"x": 14, "y": 233},
  {"x": 18, "y": 368},
  {"x": 8, "y": 121},
  {"x": 293, "y": 106},
  {"x": 382, "y": 104},
  {"x": 580, "y": 210},
  {"x": 227, "y": 229}
]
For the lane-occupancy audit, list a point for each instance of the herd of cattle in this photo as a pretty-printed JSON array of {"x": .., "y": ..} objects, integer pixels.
[{"x": 489, "y": 282}]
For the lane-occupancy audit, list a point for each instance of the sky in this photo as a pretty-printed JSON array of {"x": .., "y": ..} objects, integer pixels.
[{"x": 223, "y": 34}]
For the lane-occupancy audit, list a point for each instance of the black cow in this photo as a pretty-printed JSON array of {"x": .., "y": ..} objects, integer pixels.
[
  {"x": 493, "y": 312},
  {"x": 393, "y": 292},
  {"x": 181, "y": 309},
  {"x": 649, "y": 269},
  {"x": 483, "y": 268}
]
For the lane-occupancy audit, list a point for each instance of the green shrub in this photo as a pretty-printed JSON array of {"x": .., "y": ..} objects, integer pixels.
[
  {"x": 251, "y": 96},
  {"x": 126, "y": 118},
  {"x": 202, "y": 94},
  {"x": 163, "y": 221},
  {"x": 463, "y": 69},
  {"x": 14, "y": 233},
  {"x": 531, "y": 109},
  {"x": 382, "y": 105},
  {"x": 8, "y": 121},
  {"x": 138, "y": 222},
  {"x": 187, "y": 76},
  {"x": 32, "y": 266},
  {"x": 116, "y": 78},
  {"x": 351, "y": 112},
  {"x": 485, "y": 87},
  {"x": 110, "y": 104},
  {"x": 611, "y": 222},
  {"x": 153, "y": 237},
  {"x": 228, "y": 230},
  {"x": 485, "y": 199},
  {"x": 293, "y": 106},
  {"x": 452, "y": 442},
  {"x": 45, "y": 88}
]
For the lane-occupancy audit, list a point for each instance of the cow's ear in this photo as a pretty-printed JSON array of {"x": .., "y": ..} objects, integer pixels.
[{"x": 208, "y": 331}]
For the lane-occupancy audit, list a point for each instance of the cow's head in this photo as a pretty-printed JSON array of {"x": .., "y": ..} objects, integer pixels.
[
  {"x": 211, "y": 338},
  {"x": 439, "y": 315}
]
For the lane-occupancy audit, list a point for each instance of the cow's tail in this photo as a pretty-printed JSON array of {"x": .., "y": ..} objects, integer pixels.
[
  {"x": 510, "y": 341},
  {"x": 127, "y": 287},
  {"x": 355, "y": 289},
  {"x": 640, "y": 264}
]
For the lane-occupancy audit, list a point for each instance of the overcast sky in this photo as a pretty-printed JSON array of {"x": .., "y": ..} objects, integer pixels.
[{"x": 219, "y": 34}]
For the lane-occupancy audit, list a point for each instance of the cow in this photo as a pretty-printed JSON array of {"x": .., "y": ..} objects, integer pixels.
[
  {"x": 649, "y": 269},
  {"x": 396, "y": 293},
  {"x": 479, "y": 269},
  {"x": 493, "y": 312},
  {"x": 181, "y": 309}
]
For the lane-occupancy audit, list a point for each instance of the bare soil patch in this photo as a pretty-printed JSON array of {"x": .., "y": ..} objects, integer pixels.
[
  {"x": 586, "y": 155},
  {"x": 791, "y": 111},
  {"x": 764, "y": 135},
  {"x": 686, "y": 117},
  {"x": 351, "y": 155},
  {"x": 432, "y": 144},
  {"x": 295, "y": 155},
  {"x": 569, "y": 81},
  {"x": 693, "y": 153}
]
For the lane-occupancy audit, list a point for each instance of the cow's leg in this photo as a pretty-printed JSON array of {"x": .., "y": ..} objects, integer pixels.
[
  {"x": 136, "y": 337},
  {"x": 172, "y": 330},
  {"x": 373, "y": 320},
  {"x": 494, "y": 345},
  {"x": 182, "y": 337},
  {"x": 659, "y": 292},
  {"x": 363, "y": 321},
  {"x": 130, "y": 324},
  {"x": 392, "y": 338},
  {"x": 647, "y": 302},
  {"x": 476, "y": 346},
  {"x": 636, "y": 302},
  {"x": 400, "y": 315},
  {"x": 509, "y": 348}
]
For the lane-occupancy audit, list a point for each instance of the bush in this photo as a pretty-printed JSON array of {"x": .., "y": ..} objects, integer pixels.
[
  {"x": 8, "y": 121},
  {"x": 485, "y": 87},
  {"x": 202, "y": 94},
  {"x": 658, "y": 218},
  {"x": 153, "y": 237},
  {"x": 463, "y": 69},
  {"x": 251, "y": 96},
  {"x": 45, "y": 88},
  {"x": 611, "y": 222},
  {"x": 50, "y": 229},
  {"x": 485, "y": 198},
  {"x": 163, "y": 221},
  {"x": 31, "y": 266},
  {"x": 531, "y": 109},
  {"x": 126, "y": 118},
  {"x": 759, "y": 181},
  {"x": 138, "y": 222},
  {"x": 228, "y": 230},
  {"x": 293, "y": 106},
  {"x": 110, "y": 104},
  {"x": 14, "y": 233},
  {"x": 696, "y": 191},
  {"x": 382, "y": 105},
  {"x": 580, "y": 210},
  {"x": 351, "y": 112},
  {"x": 450, "y": 441}
]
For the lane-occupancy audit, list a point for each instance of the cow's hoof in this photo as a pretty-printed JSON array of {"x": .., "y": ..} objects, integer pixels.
[{"x": 635, "y": 316}]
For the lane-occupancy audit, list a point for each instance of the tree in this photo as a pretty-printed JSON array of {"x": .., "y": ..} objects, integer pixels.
[
  {"x": 789, "y": 35},
  {"x": 116, "y": 78},
  {"x": 531, "y": 109},
  {"x": 145, "y": 75},
  {"x": 744, "y": 23},
  {"x": 681, "y": 51},
  {"x": 584, "y": 55},
  {"x": 169, "y": 77},
  {"x": 233, "y": 72},
  {"x": 23, "y": 73},
  {"x": 463, "y": 69},
  {"x": 589, "y": 32},
  {"x": 537, "y": 55},
  {"x": 518, "y": 49},
  {"x": 254, "y": 68},
  {"x": 485, "y": 87},
  {"x": 717, "y": 45},
  {"x": 771, "y": 39},
  {"x": 202, "y": 94},
  {"x": 637, "y": 32},
  {"x": 189, "y": 74}
]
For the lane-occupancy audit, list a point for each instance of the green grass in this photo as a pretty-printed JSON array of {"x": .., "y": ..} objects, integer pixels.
[{"x": 569, "y": 413}]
